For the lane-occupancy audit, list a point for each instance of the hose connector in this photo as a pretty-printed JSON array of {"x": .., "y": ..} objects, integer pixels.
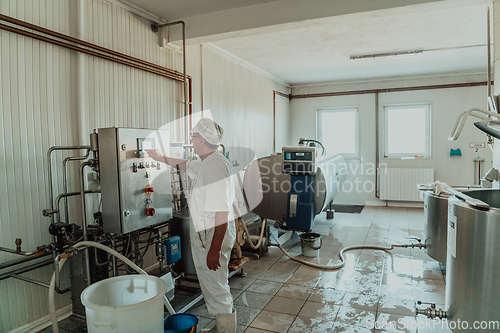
[
  {"x": 431, "y": 311},
  {"x": 414, "y": 245}
]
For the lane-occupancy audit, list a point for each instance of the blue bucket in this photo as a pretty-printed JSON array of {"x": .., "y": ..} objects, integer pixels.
[{"x": 180, "y": 323}]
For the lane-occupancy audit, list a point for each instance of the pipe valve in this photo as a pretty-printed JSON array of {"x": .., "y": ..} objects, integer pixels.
[
  {"x": 414, "y": 245},
  {"x": 18, "y": 244},
  {"x": 431, "y": 311}
]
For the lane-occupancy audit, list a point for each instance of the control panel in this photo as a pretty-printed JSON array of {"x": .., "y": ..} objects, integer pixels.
[
  {"x": 135, "y": 189},
  {"x": 299, "y": 160}
]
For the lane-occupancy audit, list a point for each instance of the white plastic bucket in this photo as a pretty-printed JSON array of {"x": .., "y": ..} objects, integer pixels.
[
  {"x": 129, "y": 303},
  {"x": 310, "y": 243}
]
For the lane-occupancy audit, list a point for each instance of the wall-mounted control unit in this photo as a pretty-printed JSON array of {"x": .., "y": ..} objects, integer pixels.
[
  {"x": 135, "y": 189},
  {"x": 299, "y": 160}
]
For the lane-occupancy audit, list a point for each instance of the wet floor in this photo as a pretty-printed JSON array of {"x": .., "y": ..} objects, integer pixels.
[
  {"x": 374, "y": 292},
  {"x": 373, "y": 289}
]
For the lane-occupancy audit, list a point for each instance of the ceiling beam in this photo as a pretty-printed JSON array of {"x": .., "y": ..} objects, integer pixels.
[{"x": 282, "y": 15}]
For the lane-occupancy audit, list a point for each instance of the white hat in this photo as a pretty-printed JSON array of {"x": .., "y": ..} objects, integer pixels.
[{"x": 209, "y": 130}]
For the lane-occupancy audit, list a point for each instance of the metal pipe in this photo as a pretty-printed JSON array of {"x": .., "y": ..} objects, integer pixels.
[
  {"x": 51, "y": 195},
  {"x": 431, "y": 312},
  {"x": 58, "y": 277},
  {"x": 49, "y": 160},
  {"x": 113, "y": 246},
  {"x": 190, "y": 82},
  {"x": 181, "y": 275},
  {"x": 15, "y": 276},
  {"x": 23, "y": 259},
  {"x": 201, "y": 76},
  {"x": 86, "y": 44},
  {"x": 65, "y": 181},
  {"x": 22, "y": 253},
  {"x": 87, "y": 51},
  {"x": 377, "y": 142},
  {"x": 25, "y": 269},
  {"x": 160, "y": 255},
  {"x": 84, "y": 218},
  {"x": 155, "y": 27},
  {"x": 475, "y": 171},
  {"x": 274, "y": 121},
  {"x": 274, "y": 115},
  {"x": 47, "y": 212},
  {"x": 390, "y": 90},
  {"x": 489, "y": 51}
]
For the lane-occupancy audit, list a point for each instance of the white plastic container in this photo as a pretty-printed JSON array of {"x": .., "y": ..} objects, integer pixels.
[
  {"x": 310, "y": 244},
  {"x": 130, "y": 303}
]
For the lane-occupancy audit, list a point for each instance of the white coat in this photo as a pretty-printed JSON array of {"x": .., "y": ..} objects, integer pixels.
[{"x": 212, "y": 190}]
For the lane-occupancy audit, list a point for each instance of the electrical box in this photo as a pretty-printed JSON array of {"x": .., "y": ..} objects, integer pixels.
[
  {"x": 173, "y": 245},
  {"x": 177, "y": 149},
  {"x": 135, "y": 189},
  {"x": 299, "y": 160}
]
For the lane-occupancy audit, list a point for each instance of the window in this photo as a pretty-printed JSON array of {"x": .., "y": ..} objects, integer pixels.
[
  {"x": 338, "y": 131},
  {"x": 407, "y": 130}
]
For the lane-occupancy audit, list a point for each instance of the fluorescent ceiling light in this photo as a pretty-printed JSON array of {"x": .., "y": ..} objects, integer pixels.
[{"x": 387, "y": 55}]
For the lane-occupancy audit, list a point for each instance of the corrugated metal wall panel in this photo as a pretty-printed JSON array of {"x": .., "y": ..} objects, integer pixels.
[
  {"x": 39, "y": 105},
  {"x": 446, "y": 104},
  {"x": 241, "y": 101}
]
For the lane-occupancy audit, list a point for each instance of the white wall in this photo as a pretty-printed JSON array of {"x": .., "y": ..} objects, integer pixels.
[
  {"x": 446, "y": 104},
  {"x": 40, "y": 108},
  {"x": 241, "y": 100}
]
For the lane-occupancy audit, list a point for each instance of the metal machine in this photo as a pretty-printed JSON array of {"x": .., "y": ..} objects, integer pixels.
[
  {"x": 135, "y": 200},
  {"x": 473, "y": 264},
  {"x": 436, "y": 221},
  {"x": 135, "y": 189},
  {"x": 435, "y": 228},
  {"x": 296, "y": 186}
]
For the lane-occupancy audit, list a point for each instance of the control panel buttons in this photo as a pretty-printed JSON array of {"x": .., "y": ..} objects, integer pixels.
[
  {"x": 150, "y": 211},
  {"x": 134, "y": 167},
  {"x": 149, "y": 189}
]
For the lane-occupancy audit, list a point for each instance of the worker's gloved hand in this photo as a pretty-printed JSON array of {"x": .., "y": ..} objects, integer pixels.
[
  {"x": 153, "y": 153},
  {"x": 213, "y": 262}
]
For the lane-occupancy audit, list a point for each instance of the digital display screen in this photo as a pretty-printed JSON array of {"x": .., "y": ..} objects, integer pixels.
[{"x": 143, "y": 144}]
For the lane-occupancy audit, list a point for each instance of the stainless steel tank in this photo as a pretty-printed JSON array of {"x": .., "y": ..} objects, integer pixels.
[
  {"x": 473, "y": 263},
  {"x": 436, "y": 225},
  {"x": 329, "y": 178},
  {"x": 181, "y": 226}
]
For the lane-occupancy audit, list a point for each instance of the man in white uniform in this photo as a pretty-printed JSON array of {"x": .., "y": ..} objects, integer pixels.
[{"x": 213, "y": 230}]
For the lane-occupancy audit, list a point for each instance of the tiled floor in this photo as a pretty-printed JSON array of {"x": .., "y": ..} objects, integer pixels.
[{"x": 281, "y": 295}]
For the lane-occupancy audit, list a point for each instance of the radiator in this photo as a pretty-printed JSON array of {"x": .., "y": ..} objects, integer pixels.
[{"x": 400, "y": 184}]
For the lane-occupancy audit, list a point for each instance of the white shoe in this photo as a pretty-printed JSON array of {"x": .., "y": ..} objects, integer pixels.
[{"x": 224, "y": 323}]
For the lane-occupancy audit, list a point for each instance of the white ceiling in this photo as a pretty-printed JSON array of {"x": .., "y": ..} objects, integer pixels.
[
  {"x": 172, "y": 10},
  {"x": 451, "y": 33}
]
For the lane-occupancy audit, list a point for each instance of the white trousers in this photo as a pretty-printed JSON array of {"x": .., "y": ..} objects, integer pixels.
[{"x": 214, "y": 284}]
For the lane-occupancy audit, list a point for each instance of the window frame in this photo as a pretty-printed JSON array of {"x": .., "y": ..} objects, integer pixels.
[
  {"x": 427, "y": 106},
  {"x": 319, "y": 136}
]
